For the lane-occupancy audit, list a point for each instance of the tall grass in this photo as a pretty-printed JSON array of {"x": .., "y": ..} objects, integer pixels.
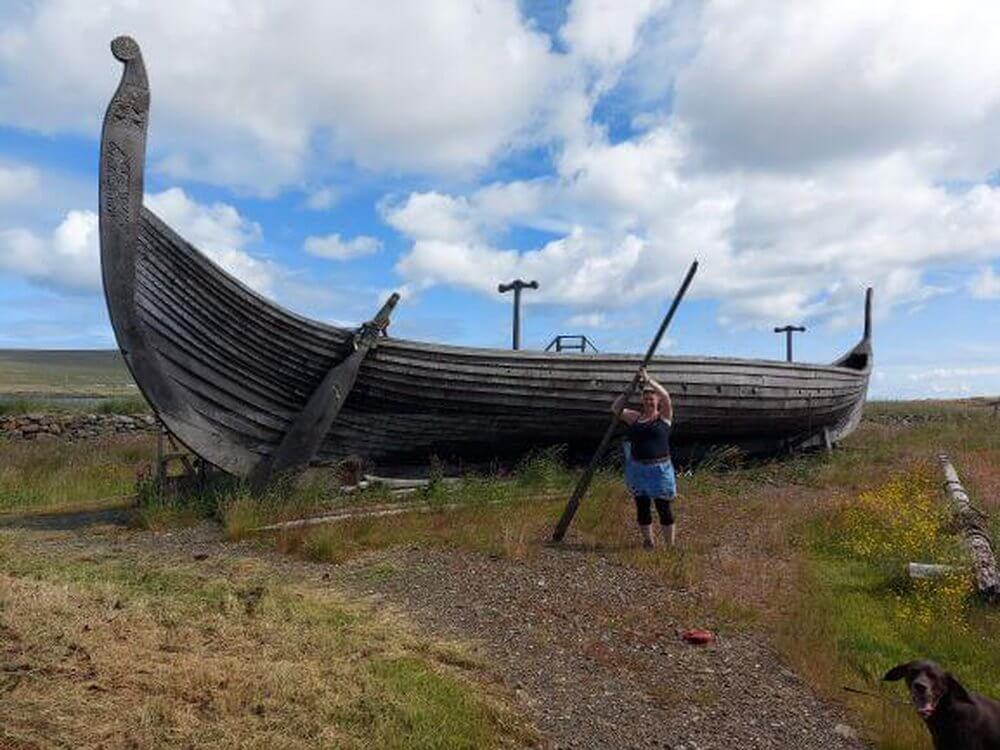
[
  {"x": 505, "y": 515},
  {"x": 18, "y": 406},
  {"x": 56, "y": 475},
  {"x": 129, "y": 405},
  {"x": 126, "y": 405}
]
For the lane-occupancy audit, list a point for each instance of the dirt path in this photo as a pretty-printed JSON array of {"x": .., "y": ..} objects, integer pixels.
[{"x": 590, "y": 647}]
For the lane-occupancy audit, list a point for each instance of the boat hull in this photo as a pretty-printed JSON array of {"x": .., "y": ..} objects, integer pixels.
[{"x": 229, "y": 372}]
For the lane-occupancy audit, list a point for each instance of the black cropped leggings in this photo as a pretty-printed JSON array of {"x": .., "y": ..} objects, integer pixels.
[{"x": 644, "y": 514}]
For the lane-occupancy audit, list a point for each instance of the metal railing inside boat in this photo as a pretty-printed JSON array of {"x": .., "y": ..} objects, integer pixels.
[{"x": 571, "y": 343}]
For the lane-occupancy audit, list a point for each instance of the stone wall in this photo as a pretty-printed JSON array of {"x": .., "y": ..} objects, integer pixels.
[{"x": 73, "y": 426}]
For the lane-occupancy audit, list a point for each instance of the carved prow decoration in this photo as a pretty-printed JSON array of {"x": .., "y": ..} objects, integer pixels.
[
  {"x": 123, "y": 156},
  {"x": 122, "y": 220}
]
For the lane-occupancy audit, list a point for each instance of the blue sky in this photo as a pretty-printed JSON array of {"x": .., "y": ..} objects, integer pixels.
[{"x": 330, "y": 152}]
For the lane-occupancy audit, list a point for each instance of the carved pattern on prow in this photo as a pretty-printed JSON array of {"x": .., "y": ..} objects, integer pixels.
[
  {"x": 117, "y": 181},
  {"x": 131, "y": 107}
]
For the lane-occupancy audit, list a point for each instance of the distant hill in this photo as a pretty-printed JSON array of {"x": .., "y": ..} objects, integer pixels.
[{"x": 90, "y": 372}]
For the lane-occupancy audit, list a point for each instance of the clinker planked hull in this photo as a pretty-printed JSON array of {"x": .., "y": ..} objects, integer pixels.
[{"x": 229, "y": 372}]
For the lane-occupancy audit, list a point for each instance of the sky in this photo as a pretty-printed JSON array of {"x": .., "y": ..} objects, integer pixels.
[{"x": 327, "y": 153}]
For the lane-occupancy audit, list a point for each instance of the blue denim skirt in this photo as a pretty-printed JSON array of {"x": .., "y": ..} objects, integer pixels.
[{"x": 651, "y": 480}]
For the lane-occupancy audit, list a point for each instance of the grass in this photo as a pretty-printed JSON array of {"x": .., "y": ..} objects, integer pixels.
[
  {"x": 489, "y": 514},
  {"x": 89, "y": 373},
  {"x": 124, "y": 405},
  {"x": 21, "y": 405},
  {"x": 808, "y": 549},
  {"x": 117, "y": 648},
  {"x": 156, "y": 510},
  {"x": 852, "y": 613},
  {"x": 855, "y": 600},
  {"x": 51, "y": 476}
]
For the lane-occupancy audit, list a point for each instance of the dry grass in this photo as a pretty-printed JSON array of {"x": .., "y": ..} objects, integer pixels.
[
  {"x": 57, "y": 475},
  {"x": 733, "y": 543},
  {"x": 106, "y": 649}
]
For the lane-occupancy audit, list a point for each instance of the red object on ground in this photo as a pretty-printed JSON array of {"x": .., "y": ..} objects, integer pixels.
[{"x": 698, "y": 637}]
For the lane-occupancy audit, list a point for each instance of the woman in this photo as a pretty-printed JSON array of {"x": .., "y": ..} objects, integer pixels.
[{"x": 649, "y": 472}]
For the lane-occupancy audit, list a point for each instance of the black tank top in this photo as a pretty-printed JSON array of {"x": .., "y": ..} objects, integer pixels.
[{"x": 650, "y": 440}]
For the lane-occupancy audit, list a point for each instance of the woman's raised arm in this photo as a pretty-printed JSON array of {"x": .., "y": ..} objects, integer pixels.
[
  {"x": 666, "y": 404},
  {"x": 626, "y": 415}
]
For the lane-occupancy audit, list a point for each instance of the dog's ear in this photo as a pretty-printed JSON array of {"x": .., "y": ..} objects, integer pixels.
[
  {"x": 955, "y": 690},
  {"x": 898, "y": 672}
]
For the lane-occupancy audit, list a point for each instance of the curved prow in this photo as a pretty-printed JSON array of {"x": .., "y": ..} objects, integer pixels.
[
  {"x": 868, "y": 313},
  {"x": 860, "y": 357},
  {"x": 123, "y": 221},
  {"x": 123, "y": 156}
]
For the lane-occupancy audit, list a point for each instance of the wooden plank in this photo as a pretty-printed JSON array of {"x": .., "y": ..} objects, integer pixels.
[
  {"x": 320, "y": 337},
  {"x": 194, "y": 346},
  {"x": 205, "y": 296}
]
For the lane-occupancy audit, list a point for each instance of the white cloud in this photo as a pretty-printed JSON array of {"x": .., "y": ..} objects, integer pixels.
[
  {"x": 942, "y": 373},
  {"x": 433, "y": 216},
  {"x": 219, "y": 231},
  {"x": 242, "y": 91},
  {"x": 68, "y": 258},
  {"x": 920, "y": 381},
  {"x": 603, "y": 32},
  {"x": 588, "y": 320},
  {"x": 986, "y": 284},
  {"x": 796, "y": 192},
  {"x": 800, "y": 84},
  {"x": 335, "y": 248},
  {"x": 579, "y": 269},
  {"x": 322, "y": 199},
  {"x": 17, "y": 183},
  {"x": 774, "y": 247}
]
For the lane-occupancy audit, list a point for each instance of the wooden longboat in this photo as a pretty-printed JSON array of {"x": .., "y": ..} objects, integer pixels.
[{"x": 229, "y": 372}]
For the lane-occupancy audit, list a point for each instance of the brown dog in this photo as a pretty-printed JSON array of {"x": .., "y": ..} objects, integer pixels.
[{"x": 956, "y": 718}]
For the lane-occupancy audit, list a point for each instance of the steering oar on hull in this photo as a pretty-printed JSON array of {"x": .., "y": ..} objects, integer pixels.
[{"x": 303, "y": 439}]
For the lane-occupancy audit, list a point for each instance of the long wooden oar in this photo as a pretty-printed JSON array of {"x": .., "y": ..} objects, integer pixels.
[
  {"x": 584, "y": 483},
  {"x": 303, "y": 438}
]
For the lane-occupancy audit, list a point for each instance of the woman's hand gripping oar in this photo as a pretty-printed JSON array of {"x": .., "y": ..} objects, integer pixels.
[{"x": 588, "y": 474}]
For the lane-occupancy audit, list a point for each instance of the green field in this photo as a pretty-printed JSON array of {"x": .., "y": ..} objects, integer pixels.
[
  {"x": 96, "y": 373},
  {"x": 808, "y": 551}
]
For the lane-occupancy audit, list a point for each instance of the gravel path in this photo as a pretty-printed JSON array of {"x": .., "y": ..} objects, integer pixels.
[
  {"x": 590, "y": 648},
  {"x": 593, "y": 651}
]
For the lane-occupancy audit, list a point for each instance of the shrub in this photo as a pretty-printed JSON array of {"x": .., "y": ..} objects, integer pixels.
[
  {"x": 543, "y": 468},
  {"x": 127, "y": 405},
  {"x": 898, "y": 522}
]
